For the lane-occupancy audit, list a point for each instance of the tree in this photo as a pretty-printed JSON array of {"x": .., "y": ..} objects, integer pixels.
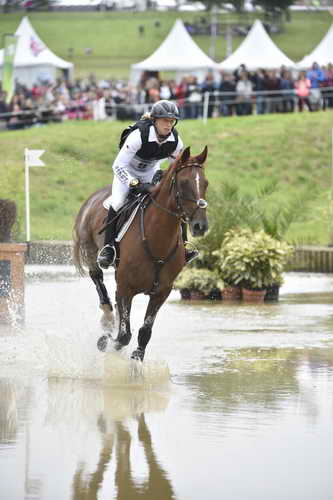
[{"x": 274, "y": 6}]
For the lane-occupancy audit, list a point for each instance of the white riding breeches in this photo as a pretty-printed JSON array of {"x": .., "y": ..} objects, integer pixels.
[{"x": 120, "y": 190}]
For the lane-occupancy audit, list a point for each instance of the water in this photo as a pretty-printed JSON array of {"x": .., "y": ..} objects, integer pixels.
[{"x": 233, "y": 402}]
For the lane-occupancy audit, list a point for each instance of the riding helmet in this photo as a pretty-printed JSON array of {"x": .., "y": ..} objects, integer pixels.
[{"x": 164, "y": 109}]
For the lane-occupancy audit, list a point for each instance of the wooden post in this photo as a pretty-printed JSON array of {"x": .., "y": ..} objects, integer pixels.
[{"x": 11, "y": 280}]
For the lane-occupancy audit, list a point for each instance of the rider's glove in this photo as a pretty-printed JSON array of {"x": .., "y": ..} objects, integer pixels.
[{"x": 137, "y": 187}]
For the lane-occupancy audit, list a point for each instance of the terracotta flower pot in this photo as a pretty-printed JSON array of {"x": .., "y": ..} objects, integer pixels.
[
  {"x": 231, "y": 293},
  {"x": 272, "y": 293},
  {"x": 254, "y": 296}
]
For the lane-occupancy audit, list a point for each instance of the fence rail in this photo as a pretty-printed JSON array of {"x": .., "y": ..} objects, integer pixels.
[
  {"x": 207, "y": 104},
  {"x": 318, "y": 259}
]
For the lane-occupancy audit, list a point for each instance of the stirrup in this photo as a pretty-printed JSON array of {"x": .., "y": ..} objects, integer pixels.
[
  {"x": 191, "y": 253},
  {"x": 106, "y": 256}
]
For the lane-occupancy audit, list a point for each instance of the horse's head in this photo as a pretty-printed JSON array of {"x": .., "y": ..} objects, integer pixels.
[{"x": 190, "y": 185}]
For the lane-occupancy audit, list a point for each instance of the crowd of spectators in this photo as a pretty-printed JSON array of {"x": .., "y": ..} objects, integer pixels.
[{"x": 238, "y": 93}]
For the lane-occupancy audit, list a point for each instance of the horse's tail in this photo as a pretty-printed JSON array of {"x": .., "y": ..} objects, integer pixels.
[{"x": 79, "y": 254}]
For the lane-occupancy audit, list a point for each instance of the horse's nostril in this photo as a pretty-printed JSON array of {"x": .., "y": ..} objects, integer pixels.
[{"x": 197, "y": 227}]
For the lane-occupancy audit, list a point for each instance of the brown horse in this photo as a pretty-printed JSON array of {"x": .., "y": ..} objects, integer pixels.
[{"x": 151, "y": 252}]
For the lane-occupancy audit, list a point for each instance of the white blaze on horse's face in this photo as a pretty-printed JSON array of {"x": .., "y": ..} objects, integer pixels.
[{"x": 197, "y": 179}]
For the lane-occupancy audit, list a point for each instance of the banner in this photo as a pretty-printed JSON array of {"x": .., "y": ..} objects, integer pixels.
[{"x": 10, "y": 42}]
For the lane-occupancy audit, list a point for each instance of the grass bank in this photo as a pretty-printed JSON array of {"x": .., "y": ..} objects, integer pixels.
[
  {"x": 116, "y": 44},
  {"x": 294, "y": 150}
]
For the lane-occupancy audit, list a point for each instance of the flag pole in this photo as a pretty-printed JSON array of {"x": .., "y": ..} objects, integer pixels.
[{"x": 27, "y": 196}]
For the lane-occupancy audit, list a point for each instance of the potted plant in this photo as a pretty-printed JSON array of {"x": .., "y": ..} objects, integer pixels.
[
  {"x": 252, "y": 260},
  {"x": 199, "y": 284}
]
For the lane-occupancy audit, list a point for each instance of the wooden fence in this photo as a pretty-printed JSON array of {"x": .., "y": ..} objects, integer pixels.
[{"x": 318, "y": 259}]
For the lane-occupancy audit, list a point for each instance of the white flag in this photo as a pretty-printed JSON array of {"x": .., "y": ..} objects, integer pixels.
[{"x": 32, "y": 157}]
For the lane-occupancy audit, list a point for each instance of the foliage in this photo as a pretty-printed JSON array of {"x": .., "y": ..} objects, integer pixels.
[
  {"x": 274, "y": 5},
  {"x": 198, "y": 279},
  {"x": 230, "y": 208},
  {"x": 252, "y": 259}
]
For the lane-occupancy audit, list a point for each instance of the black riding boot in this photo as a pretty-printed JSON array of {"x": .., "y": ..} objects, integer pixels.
[
  {"x": 189, "y": 254},
  {"x": 108, "y": 253}
]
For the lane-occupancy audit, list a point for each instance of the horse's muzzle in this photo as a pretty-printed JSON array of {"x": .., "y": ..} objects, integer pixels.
[{"x": 198, "y": 227}]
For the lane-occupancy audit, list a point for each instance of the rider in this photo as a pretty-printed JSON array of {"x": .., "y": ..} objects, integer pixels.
[{"x": 154, "y": 140}]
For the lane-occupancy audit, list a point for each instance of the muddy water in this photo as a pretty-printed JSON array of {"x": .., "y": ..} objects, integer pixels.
[{"x": 233, "y": 402}]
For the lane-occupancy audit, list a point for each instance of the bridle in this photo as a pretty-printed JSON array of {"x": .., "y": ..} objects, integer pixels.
[{"x": 181, "y": 212}]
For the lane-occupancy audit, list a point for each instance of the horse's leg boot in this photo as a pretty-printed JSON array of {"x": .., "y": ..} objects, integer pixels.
[{"x": 107, "y": 254}]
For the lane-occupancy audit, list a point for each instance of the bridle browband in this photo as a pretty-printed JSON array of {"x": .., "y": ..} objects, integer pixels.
[{"x": 181, "y": 213}]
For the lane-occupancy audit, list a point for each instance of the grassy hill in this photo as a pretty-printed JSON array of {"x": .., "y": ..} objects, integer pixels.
[
  {"x": 116, "y": 43},
  {"x": 292, "y": 149}
]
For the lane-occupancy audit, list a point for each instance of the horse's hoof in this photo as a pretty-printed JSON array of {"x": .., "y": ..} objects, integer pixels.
[
  {"x": 138, "y": 354},
  {"x": 102, "y": 342}
]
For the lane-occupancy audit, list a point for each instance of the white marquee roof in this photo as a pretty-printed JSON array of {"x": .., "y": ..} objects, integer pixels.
[
  {"x": 178, "y": 52},
  {"x": 322, "y": 54},
  {"x": 32, "y": 51},
  {"x": 257, "y": 51}
]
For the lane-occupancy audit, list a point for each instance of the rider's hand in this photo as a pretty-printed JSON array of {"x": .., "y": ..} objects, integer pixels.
[{"x": 139, "y": 187}]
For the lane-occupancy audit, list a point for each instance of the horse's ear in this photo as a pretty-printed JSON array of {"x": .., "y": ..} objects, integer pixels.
[
  {"x": 201, "y": 158},
  {"x": 185, "y": 155}
]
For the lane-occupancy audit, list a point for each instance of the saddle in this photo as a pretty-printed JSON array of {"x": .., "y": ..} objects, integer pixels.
[{"x": 133, "y": 202}]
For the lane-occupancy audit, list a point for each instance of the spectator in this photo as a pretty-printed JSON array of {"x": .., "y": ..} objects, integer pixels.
[
  {"x": 303, "y": 86},
  {"x": 244, "y": 95},
  {"x": 228, "y": 87},
  {"x": 316, "y": 77},
  {"x": 258, "y": 80},
  {"x": 287, "y": 85},
  {"x": 209, "y": 86},
  {"x": 194, "y": 98},
  {"x": 327, "y": 87},
  {"x": 273, "y": 85}
]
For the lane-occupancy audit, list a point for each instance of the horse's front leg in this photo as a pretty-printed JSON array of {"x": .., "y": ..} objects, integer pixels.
[
  {"x": 154, "y": 305},
  {"x": 124, "y": 303}
]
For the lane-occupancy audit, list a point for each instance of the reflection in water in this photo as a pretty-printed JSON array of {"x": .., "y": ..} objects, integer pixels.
[
  {"x": 252, "y": 376},
  {"x": 262, "y": 378},
  {"x": 8, "y": 412},
  {"x": 117, "y": 446},
  {"x": 79, "y": 431}
]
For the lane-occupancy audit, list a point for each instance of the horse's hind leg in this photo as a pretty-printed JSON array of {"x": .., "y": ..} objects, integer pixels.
[
  {"x": 154, "y": 305},
  {"x": 107, "y": 320}
]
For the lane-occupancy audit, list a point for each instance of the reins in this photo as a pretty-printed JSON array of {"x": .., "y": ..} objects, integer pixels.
[{"x": 180, "y": 214}]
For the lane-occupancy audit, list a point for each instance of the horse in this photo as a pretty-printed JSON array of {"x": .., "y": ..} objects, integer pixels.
[{"x": 151, "y": 253}]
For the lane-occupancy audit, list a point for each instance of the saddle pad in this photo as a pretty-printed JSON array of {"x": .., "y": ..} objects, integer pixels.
[{"x": 129, "y": 221}]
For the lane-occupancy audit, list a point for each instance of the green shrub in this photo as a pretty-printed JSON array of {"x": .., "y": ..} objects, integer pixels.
[
  {"x": 252, "y": 259},
  {"x": 201, "y": 280}
]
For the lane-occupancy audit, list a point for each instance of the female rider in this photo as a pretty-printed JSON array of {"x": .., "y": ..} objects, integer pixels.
[{"x": 153, "y": 140}]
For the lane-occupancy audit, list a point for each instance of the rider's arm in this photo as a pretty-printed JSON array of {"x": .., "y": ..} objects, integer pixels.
[
  {"x": 179, "y": 148},
  {"x": 123, "y": 160}
]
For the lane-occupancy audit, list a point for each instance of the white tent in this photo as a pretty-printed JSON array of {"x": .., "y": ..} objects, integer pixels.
[
  {"x": 322, "y": 54},
  {"x": 257, "y": 51},
  {"x": 179, "y": 53},
  {"x": 33, "y": 60}
]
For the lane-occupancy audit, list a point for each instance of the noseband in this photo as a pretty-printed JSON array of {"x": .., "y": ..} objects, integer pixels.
[{"x": 181, "y": 213}]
